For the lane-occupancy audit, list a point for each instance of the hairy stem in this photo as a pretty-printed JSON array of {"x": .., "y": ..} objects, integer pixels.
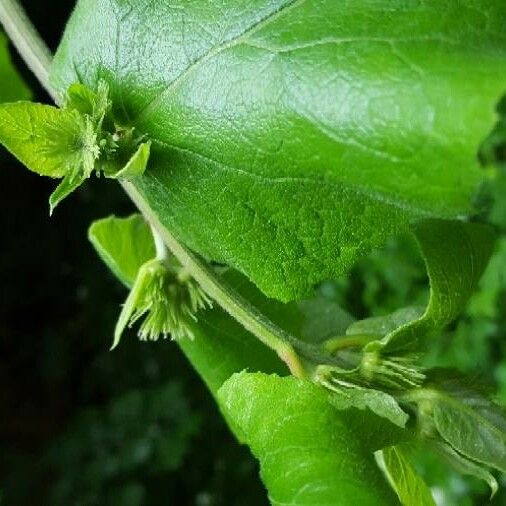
[{"x": 37, "y": 56}]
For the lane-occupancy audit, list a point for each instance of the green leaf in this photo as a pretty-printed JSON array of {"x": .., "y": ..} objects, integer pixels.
[
  {"x": 322, "y": 319},
  {"x": 124, "y": 244},
  {"x": 46, "y": 139},
  {"x": 380, "y": 403},
  {"x": 12, "y": 86},
  {"x": 471, "y": 432},
  {"x": 314, "y": 139},
  {"x": 465, "y": 418},
  {"x": 383, "y": 325},
  {"x": 309, "y": 453},
  {"x": 136, "y": 166},
  {"x": 409, "y": 486},
  {"x": 456, "y": 255},
  {"x": 69, "y": 184},
  {"x": 96, "y": 105},
  {"x": 466, "y": 466}
]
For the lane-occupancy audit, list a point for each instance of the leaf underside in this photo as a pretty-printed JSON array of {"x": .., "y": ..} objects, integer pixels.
[{"x": 289, "y": 137}]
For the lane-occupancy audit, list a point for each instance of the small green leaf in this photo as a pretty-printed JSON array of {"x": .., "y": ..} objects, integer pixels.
[
  {"x": 48, "y": 140},
  {"x": 81, "y": 98},
  {"x": 466, "y": 466},
  {"x": 380, "y": 403},
  {"x": 96, "y": 105},
  {"x": 453, "y": 279},
  {"x": 409, "y": 486},
  {"x": 124, "y": 244},
  {"x": 69, "y": 184},
  {"x": 471, "y": 433},
  {"x": 137, "y": 165},
  {"x": 309, "y": 452},
  {"x": 382, "y": 325},
  {"x": 472, "y": 424},
  {"x": 12, "y": 87}
]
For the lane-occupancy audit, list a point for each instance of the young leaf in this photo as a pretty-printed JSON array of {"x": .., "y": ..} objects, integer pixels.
[
  {"x": 472, "y": 424},
  {"x": 73, "y": 141},
  {"x": 383, "y": 325},
  {"x": 409, "y": 486},
  {"x": 314, "y": 140},
  {"x": 466, "y": 466},
  {"x": 279, "y": 419},
  {"x": 12, "y": 87},
  {"x": 95, "y": 105},
  {"x": 380, "y": 403},
  {"x": 46, "y": 139},
  {"x": 124, "y": 244},
  {"x": 137, "y": 165},
  {"x": 453, "y": 279},
  {"x": 69, "y": 184}
]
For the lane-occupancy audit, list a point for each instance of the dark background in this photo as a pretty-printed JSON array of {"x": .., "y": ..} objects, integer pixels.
[{"x": 80, "y": 425}]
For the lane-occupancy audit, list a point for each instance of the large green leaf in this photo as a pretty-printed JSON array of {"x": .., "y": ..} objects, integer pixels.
[
  {"x": 310, "y": 453},
  {"x": 292, "y": 136},
  {"x": 12, "y": 86}
]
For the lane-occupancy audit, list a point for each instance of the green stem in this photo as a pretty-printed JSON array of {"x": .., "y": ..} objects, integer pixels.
[
  {"x": 338, "y": 343},
  {"x": 160, "y": 246},
  {"x": 38, "y": 58}
]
